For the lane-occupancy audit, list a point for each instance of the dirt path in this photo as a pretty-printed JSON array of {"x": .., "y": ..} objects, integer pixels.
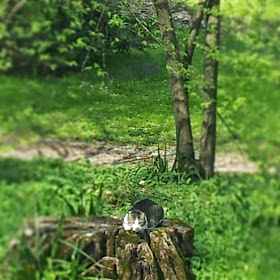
[{"x": 99, "y": 152}]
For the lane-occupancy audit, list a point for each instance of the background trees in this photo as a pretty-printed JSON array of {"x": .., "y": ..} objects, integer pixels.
[
  {"x": 56, "y": 36},
  {"x": 208, "y": 133}
]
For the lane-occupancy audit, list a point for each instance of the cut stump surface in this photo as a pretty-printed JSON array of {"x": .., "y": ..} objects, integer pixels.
[{"x": 107, "y": 249}]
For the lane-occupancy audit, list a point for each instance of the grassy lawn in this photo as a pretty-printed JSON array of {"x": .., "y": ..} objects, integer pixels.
[
  {"x": 128, "y": 109},
  {"x": 133, "y": 105}
]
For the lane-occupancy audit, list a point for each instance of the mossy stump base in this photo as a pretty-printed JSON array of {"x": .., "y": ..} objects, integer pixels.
[{"x": 106, "y": 249}]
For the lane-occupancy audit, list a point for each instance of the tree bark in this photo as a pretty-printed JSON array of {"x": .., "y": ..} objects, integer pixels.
[
  {"x": 106, "y": 249},
  {"x": 184, "y": 140},
  {"x": 208, "y": 134}
]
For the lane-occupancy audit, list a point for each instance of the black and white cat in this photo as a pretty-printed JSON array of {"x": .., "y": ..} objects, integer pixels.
[{"x": 145, "y": 214}]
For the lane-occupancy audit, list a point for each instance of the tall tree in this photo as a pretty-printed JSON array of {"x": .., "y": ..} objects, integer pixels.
[
  {"x": 186, "y": 161},
  {"x": 185, "y": 158},
  {"x": 184, "y": 146},
  {"x": 208, "y": 133}
]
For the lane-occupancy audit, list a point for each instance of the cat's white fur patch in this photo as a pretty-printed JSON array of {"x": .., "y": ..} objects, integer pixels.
[
  {"x": 126, "y": 226},
  {"x": 135, "y": 226}
]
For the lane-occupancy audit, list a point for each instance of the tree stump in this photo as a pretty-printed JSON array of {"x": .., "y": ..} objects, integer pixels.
[{"x": 106, "y": 248}]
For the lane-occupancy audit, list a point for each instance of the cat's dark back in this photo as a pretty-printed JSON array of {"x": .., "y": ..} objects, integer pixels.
[{"x": 152, "y": 210}]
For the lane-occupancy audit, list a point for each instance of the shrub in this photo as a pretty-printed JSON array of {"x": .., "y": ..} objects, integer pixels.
[{"x": 44, "y": 36}]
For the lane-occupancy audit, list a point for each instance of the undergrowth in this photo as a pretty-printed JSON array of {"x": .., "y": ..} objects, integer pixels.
[{"x": 236, "y": 218}]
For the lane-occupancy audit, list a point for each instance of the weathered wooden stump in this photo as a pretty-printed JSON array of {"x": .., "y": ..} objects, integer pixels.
[{"x": 108, "y": 250}]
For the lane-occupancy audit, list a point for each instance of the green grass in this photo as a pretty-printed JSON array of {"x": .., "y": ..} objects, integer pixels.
[
  {"x": 133, "y": 104},
  {"x": 128, "y": 109},
  {"x": 236, "y": 219}
]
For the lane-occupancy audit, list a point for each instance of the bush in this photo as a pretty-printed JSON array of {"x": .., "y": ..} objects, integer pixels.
[{"x": 44, "y": 36}]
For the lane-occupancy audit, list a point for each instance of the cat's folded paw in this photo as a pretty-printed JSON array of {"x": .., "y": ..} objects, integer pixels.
[{"x": 127, "y": 227}]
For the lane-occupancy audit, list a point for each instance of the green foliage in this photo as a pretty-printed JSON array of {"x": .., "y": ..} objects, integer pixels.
[
  {"x": 160, "y": 162},
  {"x": 236, "y": 219},
  {"x": 82, "y": 201},
  {"x": 45, "y": 36},
  {"x": 50, "y": 267},
  {"x": 249, "y": 75}
]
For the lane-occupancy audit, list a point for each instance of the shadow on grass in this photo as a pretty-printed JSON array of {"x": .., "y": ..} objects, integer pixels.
[
  {"x": 79, "y": 105},
  {"x": 13, "y": 170}
]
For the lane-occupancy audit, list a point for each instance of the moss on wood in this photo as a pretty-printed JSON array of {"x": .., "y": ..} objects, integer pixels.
[{"x": 112, "y": 252}]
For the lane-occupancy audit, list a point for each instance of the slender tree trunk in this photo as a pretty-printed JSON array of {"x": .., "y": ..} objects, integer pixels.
[
  {"x": 184, "y": 141},
  {"x": 208, "y": 134},
  {"x": 190, "y": 46}
]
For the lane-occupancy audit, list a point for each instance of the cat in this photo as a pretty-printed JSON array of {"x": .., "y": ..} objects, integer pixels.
[{"x": 145, "y": 214}]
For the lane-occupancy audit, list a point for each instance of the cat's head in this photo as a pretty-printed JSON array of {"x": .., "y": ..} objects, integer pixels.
[{"x": 135, "y": 220}]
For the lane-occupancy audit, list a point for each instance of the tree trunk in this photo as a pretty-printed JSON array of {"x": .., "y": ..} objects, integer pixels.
[
  {"x": 107, "y": 250},
  {"x": 190, "y": 46},
  {"x": 184, "y": 140},
  {"x": 208, "y": 134}
]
